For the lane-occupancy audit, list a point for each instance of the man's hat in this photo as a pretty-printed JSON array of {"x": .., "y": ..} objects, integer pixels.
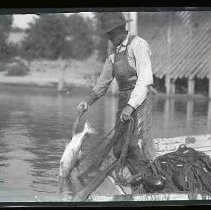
[{"x": 111, "y": 20}]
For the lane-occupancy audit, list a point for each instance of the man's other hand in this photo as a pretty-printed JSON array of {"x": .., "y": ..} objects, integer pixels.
[{"x": 126, "y": 113}]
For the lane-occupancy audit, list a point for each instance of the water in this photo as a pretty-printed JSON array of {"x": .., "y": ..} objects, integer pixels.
[{"x": 35, "y": 125}]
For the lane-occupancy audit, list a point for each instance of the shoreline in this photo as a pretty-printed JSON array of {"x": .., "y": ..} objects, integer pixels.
[
  {"x": 38, "y": 82},
  {"x": 69, "y": 86}
]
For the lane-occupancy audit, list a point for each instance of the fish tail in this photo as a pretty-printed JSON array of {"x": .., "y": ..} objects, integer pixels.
[{"x": 89, "y": 129}]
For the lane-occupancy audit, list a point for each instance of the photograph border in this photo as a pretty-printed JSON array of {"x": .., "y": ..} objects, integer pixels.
[{"x": 65, "y": 8}]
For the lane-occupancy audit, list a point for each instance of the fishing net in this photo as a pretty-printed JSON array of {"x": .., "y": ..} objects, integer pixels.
[
  {"x": 100, "y": 155},
  {"x": 103, "y": 161},
  {"x": 185, "y": 170}
]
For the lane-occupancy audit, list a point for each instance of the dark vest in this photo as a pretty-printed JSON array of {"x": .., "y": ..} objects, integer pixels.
[{"x": 125, "y": 75}]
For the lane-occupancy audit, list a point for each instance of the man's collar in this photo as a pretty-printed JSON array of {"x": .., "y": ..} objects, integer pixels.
[{"x": 125, "y": 42}]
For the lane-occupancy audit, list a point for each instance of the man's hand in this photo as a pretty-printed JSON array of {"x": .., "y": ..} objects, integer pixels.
[
  {"x": 82, "y": 108},
  {"x": 126, "y": 113}
]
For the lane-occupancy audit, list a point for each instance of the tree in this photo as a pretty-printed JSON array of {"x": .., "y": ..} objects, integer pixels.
[
  {"x": 102, "y": 43},
  {"x": 5, "y": 27},
  {"x": 55, "y": 36},
  {"x": 82, "y": 31},
  {"x": 46, "y": 37}
]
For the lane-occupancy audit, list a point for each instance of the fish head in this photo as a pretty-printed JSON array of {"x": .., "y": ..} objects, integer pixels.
[{"x": 88, "y": 129}]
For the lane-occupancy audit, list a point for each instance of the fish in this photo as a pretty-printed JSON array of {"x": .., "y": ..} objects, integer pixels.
[{"x": 73, "y": 152}]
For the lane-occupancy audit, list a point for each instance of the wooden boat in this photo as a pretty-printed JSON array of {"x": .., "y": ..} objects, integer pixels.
[{"x": 109, "y": 190}]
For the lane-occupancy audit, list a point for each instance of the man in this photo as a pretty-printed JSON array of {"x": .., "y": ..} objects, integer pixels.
[{"x": 129, "y": 62}]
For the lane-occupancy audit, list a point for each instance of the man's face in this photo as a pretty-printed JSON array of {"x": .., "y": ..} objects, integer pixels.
[{"x": 116, "y": 36}]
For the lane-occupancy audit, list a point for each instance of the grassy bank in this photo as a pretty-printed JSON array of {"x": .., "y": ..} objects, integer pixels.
[
  {"x": 46, "y": 73},
  {"x": 80, "y": 74}
]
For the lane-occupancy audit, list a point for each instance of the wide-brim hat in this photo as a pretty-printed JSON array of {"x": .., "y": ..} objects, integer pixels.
[{"x": 111, "y": 20}]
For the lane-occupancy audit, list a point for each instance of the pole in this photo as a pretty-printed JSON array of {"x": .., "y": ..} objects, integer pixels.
[
  {"x": 191, "y": 85},
  {"x": 168, "y": 79},
  {"x": 133, "y": 24},
  {"x": 61, "y": 82}
]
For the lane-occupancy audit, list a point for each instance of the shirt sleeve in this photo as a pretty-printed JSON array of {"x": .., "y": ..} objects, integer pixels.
[
  {"x": 103, "y": 82},
  {"x": 142, "y": 55}
]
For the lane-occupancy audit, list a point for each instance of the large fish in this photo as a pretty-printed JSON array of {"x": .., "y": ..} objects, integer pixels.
[{"x": 73, "y": 151}]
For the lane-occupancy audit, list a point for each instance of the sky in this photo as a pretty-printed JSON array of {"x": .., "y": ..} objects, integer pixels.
[{"x": 21, "y": 21}]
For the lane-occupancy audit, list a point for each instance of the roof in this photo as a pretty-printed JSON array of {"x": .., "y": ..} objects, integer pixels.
[{"x": 181, "y": 45}]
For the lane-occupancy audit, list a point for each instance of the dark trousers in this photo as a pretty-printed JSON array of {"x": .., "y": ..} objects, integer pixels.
[{"x": 141, "y": 147}]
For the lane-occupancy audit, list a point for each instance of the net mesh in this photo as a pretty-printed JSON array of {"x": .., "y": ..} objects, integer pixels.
[
  {"x": 185, "y": 170},
  {"x": 101, "y": 155}
]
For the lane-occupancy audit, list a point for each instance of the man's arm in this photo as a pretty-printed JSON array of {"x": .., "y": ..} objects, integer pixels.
[
  {"x": 103, "y": 83},
  {"x": 142, "y": 54}
]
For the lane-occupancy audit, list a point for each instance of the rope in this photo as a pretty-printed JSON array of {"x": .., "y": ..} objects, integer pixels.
[
  {"x": 100, "y": 142},
  {"x": 98, "y": 161}
]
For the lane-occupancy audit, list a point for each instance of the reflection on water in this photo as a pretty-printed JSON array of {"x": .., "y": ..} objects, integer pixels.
[
  {"x": 181, "y": 116},
  {"x": 35, "y": 126}
]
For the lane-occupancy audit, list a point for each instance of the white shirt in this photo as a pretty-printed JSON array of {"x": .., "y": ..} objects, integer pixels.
[{"x": 139, "y": 59}]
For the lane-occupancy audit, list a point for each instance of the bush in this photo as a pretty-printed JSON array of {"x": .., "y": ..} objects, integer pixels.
[{"x": 18, "y": 69}]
